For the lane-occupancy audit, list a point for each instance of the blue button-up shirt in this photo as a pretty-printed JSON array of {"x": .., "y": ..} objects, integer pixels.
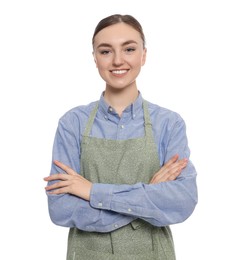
[{"x": 112, "y": 206}]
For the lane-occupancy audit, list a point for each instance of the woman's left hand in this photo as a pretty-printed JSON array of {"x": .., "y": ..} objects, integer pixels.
[{"x": 72, "y": 183}]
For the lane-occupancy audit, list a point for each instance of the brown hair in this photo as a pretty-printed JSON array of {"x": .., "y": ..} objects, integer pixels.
[{"x": 118, "y": 18}]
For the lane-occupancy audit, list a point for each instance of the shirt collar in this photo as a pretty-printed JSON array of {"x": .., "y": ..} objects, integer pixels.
[{"x": 132, "y": 110}]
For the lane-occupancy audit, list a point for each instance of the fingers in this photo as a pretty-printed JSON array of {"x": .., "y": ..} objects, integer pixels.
[
  {"x": 58, "y": 191},
  {"x": 173, "y": 159},
  {"x": 57, "y": 176},
  {"x": 61, "y": 176},
  {"x": 171, "y": 163},
  {"x": 72, "y": 184},
  {"x": 64, "y": 167},
  {"x": 170, "y": 170},
  {"x": 63, "y": 181},
  {"x": 64, "y": 188},
  {"x": 69, "y": 182},
  {"x": 57, "y": 185},
  {"x": 170, "y": 175}
]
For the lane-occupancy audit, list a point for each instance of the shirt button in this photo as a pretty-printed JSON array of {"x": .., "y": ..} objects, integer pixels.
[
  {"x": 116, "y": 226},
  {"x": 122, "y": 126},
  {"x": 110, "y": 109},
  {"x": 129, "y": 210},
  {"x": 100, "y": 204},
  {"x": 106, "y": 117}
]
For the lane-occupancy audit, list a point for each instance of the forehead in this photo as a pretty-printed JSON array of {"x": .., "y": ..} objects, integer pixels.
[{"x": 117, "y": 34}]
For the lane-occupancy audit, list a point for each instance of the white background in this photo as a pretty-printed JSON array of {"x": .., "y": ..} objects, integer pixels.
[{"x": 46, "y": 68}]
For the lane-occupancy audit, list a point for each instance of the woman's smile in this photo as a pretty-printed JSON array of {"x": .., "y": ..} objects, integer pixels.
[{"x": 119, "y": 73}]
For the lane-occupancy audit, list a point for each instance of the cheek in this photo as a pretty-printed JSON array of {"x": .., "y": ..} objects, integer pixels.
[
  {"x": 102, "y": 68},
  {"x": 138, "y": 60},
  {"x": 101, "y": 64},
  {"x": 138, "y": 63}
]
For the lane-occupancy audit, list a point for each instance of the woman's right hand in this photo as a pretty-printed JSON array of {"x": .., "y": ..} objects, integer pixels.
[{"x": 170, "y": 170}]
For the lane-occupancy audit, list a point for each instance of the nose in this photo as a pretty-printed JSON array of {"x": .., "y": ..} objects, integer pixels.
[{"x": 118, "y": 59}]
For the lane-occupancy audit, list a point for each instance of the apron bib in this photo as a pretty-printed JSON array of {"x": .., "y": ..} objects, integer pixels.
[{"x": 121, "y": 162}]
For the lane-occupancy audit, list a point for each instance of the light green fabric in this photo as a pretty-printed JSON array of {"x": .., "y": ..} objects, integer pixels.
[{"x": 121, "y": 162}]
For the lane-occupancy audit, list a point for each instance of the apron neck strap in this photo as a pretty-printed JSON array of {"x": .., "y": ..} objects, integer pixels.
[
  {"x": 91, "y": 120},
  {"x": 147, "y": 119}
]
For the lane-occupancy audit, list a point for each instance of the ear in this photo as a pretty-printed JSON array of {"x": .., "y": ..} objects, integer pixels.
[
  {"x": 93, "y": 53},
  {"x": 144, "y": 56}
]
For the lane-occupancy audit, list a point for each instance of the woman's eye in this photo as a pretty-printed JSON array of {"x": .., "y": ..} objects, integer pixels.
[
  {"x": 130, "y": 49},
  {"x": 104, "y": 52}
]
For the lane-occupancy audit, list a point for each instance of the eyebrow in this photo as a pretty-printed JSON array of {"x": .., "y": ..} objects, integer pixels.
[{"x": 109, "y": 45}]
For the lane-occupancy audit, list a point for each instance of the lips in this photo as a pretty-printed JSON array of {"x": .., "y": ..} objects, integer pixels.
[{"x": 119, "y": 72}]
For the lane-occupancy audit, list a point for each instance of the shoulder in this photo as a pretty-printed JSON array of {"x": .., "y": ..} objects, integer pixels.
[
  {"x": 80, "y": 111},
  {"x": 162, "y": 114},
  {"x": 77, "y": 116},
  {"x": 166, "y": 124}
]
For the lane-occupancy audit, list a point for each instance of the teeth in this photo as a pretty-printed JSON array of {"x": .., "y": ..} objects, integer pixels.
[{"x": 119, "y": 71}]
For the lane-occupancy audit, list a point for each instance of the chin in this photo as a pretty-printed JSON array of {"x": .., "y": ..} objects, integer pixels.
[{"x": 120, "y": 86}]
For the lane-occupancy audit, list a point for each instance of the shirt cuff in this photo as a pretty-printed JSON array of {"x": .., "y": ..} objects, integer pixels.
[{"x": 101, "y": 196}]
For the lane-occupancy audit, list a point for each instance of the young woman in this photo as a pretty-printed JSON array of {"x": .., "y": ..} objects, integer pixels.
[{"x": 120, "y": 174}]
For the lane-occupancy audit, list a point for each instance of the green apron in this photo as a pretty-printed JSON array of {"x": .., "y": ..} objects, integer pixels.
[{"x": 120, "y": 162}]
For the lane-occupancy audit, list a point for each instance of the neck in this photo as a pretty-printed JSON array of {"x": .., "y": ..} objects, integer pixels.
[{"x": 119, "y": 99}]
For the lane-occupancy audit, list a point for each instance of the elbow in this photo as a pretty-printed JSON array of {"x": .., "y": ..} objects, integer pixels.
[
  {"x": 187, "y": 209},
  {"x": 55, "y": 217},
  {"x": 58, "y": 215},
  {"x": 188, "y": 202},
  {"x": 181, "y": 210}
]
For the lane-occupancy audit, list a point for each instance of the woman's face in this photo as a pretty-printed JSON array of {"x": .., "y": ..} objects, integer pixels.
[{"x": 119, "y": 55}]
